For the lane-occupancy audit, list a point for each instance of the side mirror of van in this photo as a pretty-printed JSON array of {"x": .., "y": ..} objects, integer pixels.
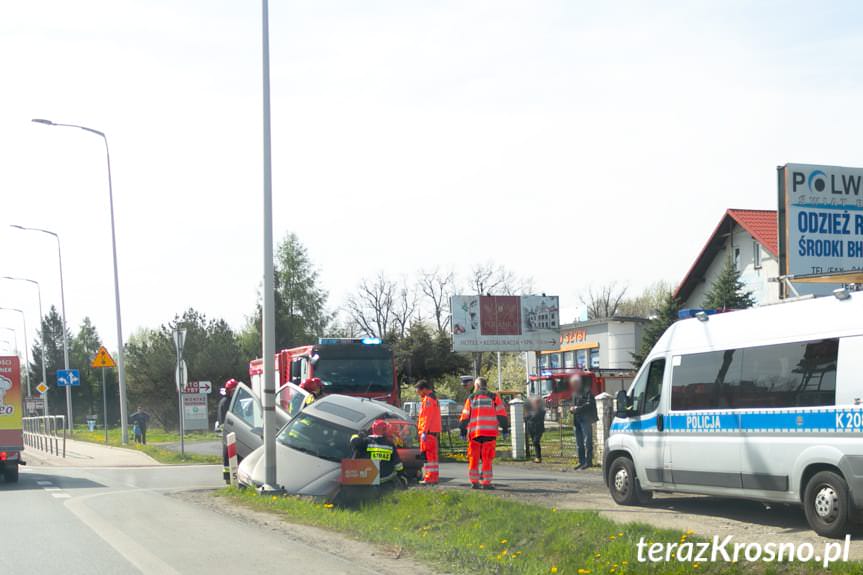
[{"x": 622, "y": 404}]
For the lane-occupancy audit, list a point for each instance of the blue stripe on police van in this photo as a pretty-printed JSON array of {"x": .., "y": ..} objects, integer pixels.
[{"x": 813, "y": 420}]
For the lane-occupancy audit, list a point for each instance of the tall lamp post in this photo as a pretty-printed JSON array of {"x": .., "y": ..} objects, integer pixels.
[
  {"x": 41, "y": 319},
  {"x": 121, "y": 364},
  {"x": 63, "y": 311},
  {"x": 26, "y": 345}
]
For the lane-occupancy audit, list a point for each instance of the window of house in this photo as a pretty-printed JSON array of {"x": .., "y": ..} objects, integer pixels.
[
  {"x": 737, "y": 259},
  {"x": 756, "y": 255}
]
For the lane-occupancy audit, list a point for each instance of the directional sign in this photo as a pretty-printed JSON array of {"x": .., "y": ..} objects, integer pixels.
[
  {"x": 41, "y": 388},
  {"x": 67, "y": 377},
  {"x": 103, "y": 359},
  {"x": 202, "y": 387}
]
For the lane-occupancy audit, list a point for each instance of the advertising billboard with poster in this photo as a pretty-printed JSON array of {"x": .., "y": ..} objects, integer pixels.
[
  {"x": 821, "y": 223},
  {"x": 11, "y": 435},
  {"x": 505, "y": 323}
]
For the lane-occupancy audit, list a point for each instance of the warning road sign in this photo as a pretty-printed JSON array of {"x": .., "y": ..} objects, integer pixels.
[
  {"x": 41, "y": 388},
  {"x": 103, "y": 359}
]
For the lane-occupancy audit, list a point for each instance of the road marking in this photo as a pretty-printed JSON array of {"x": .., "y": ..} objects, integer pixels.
[
  {"x": 132, "y": 551},
  {"x": 44, "y": 483},
  {"x": 61, "y": 495},
  {"x": 52, "y": 489}
]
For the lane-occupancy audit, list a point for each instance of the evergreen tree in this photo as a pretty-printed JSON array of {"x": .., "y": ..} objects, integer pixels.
[
  {"x": 728, "y": 292},
  {"x": 665, "y": 316},
  {"x": 87, "y": 398},
  {"x": 300, "y": 304},
  {"x": 49, "y": 345}
]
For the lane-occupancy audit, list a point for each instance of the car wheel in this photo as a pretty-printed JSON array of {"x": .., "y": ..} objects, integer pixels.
[
  {"x": 623, "y": 483},
  {"x": 826, "y": 503},
  {"x": 10, "y": 474}
]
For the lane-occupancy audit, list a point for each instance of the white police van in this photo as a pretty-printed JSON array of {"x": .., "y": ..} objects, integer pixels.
[{"x": 763, "y": 404}]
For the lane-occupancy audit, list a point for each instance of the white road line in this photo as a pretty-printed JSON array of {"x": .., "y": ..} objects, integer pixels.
[
  {"x": 130, "y": 549},
  {"x": 61, "y": 495},
  {"x": 52, "y": 489}
]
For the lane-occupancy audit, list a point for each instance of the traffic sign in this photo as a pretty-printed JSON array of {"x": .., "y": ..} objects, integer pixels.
[
  {"x": 68, "y": 377},
  {"x": 181, "y": 375},
  {"x": 41, "y": 388},
  {"x": 103, "y": 359},
  {"x": 202, "y": 387}
]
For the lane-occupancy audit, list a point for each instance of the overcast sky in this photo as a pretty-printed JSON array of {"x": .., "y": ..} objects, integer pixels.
[{"x": 574, "y": 142}]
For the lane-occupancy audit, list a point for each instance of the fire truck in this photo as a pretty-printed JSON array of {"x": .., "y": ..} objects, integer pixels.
[
  {"x": 360, "y": 367},
  {"x": 553, "y": 386}
]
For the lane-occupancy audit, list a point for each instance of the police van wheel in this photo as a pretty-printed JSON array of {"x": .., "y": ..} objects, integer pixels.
[
  {"x": 826, "y": 504},
  {"x": 623, "y": 482},
  {"x": 10, "y": 474}
]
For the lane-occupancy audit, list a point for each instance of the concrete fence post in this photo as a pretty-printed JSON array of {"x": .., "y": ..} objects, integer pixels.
[{"x": 605, "y": 413}]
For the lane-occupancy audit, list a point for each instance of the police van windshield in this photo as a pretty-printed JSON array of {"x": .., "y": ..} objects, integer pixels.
[{"x": 317, "y": 437}]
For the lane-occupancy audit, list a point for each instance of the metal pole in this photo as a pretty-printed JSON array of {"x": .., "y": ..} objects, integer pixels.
[
  {"x": 268, "y": 303},
  {"x": 104, "y": 405},
  {"x": 65, "y": 336},
  {"x": 499, "y": 376},
  {"x": 121, "y": 363}
]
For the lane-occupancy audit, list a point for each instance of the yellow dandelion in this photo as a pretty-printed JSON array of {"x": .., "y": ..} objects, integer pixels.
[
  {"x": 482, "y": 546},
  {"x": 553, "y": 569},
  {"x": 554, "y": 509},
  {"x": 696, "y": 565},
  {"x": 611, "y": 537},
  {"x": 328, "y": 505},
  {"x": 596, "y": 555},
  {"x": 624, "y": 562},
  {"x": 503, "y": 541},
  {"x": 504, "y": 552},
  {"x": 274, "y": 498},
  {"x": 583, "y": 571},
  {"x": 620, "y": 534}
]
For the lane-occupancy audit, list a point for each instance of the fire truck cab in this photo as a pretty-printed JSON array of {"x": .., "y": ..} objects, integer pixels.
[{"x": 554, "y": 387}]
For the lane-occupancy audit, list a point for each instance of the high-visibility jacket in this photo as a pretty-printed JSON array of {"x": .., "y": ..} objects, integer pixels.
[
  {"x": 429, "y": 417},
  {"x": 381, "y": 449},
  {"x": 483, "y": 413}
]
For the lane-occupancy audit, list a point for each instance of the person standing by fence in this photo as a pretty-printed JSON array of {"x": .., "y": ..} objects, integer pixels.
[
  {"x": 534, "y": 425},
  {"x": 429, "y": 428},
  {"x": 583, "y": 417}
]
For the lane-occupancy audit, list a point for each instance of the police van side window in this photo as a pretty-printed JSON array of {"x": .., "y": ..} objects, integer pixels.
[
  {"x": 801, "y": 374},
  {"x": 647, "y": 390}
]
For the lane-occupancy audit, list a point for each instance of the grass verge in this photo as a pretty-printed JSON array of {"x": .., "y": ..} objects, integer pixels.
[
  {"x": 160, "y": 454},
  {"x": 477, "y": 533}
]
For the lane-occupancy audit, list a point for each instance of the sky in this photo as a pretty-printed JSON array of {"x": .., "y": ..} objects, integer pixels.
[{"x": 577, "y": 143}]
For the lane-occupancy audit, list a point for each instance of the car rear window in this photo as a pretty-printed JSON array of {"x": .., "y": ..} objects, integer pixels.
[{"x": 340, "y": 411}]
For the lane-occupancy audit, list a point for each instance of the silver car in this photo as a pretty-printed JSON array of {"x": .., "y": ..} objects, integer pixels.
[{"x": 310, "y": 448}]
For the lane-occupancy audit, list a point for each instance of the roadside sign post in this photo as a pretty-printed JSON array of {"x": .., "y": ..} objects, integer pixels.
[
  {"x": 104, "y": 361},
  {"x": 179, "y": 343},
  {"x": 231, "y": 443}
]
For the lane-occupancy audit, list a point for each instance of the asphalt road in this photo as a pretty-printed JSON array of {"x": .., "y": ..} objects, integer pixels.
[{"x": 125, "y": 520}]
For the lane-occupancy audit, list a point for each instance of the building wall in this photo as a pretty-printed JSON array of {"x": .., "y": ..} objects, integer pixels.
[
  {"x": 755, "y": 279},
  {"x": 616, "y": 340}
]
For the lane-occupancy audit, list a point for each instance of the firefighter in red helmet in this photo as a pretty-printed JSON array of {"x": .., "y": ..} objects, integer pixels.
[{"x": 315, "y": 387}]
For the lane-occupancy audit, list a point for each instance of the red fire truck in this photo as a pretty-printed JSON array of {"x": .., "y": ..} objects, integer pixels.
[
  {"x": 348, "y": 366},
  {"x": 553, "y": 386}
]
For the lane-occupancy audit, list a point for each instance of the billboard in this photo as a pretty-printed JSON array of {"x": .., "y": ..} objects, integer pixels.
[
  {"x": 11, "y": 436},
  {"x": 505, "y": 323},
  {"x": 820, "y": 221}
]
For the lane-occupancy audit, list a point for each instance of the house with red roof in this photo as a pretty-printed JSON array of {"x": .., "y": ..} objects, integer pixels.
[{"x": 750, "y": 239}]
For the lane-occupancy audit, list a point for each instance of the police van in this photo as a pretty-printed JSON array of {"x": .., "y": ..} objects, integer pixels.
[{"x": 763, "y": 404}]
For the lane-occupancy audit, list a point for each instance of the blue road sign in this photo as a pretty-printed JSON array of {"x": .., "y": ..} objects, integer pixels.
[{"x": 67, "y": 377}]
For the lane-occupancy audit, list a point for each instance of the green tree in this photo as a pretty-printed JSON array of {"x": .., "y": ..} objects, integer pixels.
[
  {"x": 665, "y": 316},
  {"x": 727, "y": 291},
  {"x": 425, "y": 353},
  {"x": 49, "y": 345},
  {"x": 212, "y": 353},
  {"x": 300, "y": 304},
  {"x": 87, "y": 398}
]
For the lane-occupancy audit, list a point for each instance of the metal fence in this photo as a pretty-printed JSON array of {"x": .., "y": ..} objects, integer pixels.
[{"x": 46, "y": 433}]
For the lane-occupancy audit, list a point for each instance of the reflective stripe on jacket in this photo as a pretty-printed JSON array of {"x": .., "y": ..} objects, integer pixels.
[
  {"x": 429, "y": 417},
  {"x": 483, "y": 412}
]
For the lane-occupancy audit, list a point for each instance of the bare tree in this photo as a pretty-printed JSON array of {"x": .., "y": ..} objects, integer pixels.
[
  {"x": 603, "y": 302},
  {"x": 648, "y": 302},
  {"x": 371, "y": 308},
  {"x": 491, "y": 279},
  {"x": 405, "y": 308},
  {"x": 437, "y": 287}
]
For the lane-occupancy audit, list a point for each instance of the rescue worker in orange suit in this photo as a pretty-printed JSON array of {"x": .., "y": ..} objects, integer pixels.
[
  {"x": 429, "y": 428},
  {"x": 315, "y": 388},
  {"x": 224, "y": 403},
  {"x": 483, "y": 413}
]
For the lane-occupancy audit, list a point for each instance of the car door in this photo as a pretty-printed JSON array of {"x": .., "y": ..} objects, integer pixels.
[
  {"x": 647, "y": 423},
  {"x": 245, "y": 419},
  {"x": 290, "y": 400}
]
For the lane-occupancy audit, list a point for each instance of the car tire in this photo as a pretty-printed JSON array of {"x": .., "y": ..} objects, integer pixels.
[
  {"x": 827, "y": 503},
  {"x": 623, "y": 483},
  {"x": 10, "y": 474}
]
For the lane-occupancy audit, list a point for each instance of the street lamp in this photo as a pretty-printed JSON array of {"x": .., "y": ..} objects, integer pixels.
[
  {"x": 121, "y": 365},
  {"x": 41, "y": 318},
  {"x": 26, "y": 345},
  {"x": 63, "y": 310}
]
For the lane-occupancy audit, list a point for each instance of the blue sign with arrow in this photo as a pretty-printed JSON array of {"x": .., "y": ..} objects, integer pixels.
[{"x": 67, "y": 377}]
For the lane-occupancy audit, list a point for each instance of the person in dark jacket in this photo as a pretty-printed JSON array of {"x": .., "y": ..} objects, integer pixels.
[
  {"x": 534, "y": 425},
  {"x": 584, "y": 416},
  {"x": 140, "y": 420},
  {"x": 378, "y": 446}
]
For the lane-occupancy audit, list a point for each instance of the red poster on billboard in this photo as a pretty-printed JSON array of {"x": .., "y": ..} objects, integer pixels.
[
  {"x": 500, "y": 315},
  {"x": 10, "y": 403}
]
